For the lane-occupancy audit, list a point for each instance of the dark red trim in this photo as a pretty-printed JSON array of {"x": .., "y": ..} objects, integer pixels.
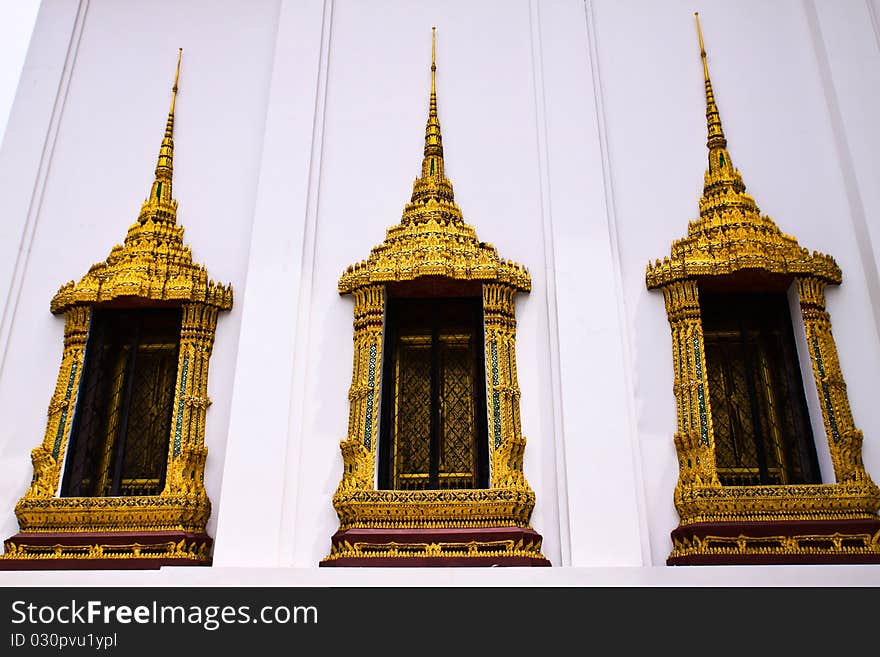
[
  {"x": 106, "y": 538},
  {"x": 770, "y": 559},
  {"x": 96, "y": 564},
  {"x": 380, "y": 537},
  {"x": 786, "y": 528},
  {"x": 432, "y": 562},
  {"x": 81, "y": 539}
]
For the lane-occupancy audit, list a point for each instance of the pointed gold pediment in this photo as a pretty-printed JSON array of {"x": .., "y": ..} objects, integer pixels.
[
  {"x": 154, "y": 263},
  {"x": 731, "y": 234},
  {"x": 432, "y": 238}
]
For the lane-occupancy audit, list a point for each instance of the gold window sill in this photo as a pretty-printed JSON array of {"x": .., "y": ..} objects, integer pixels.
[
  {"x": 850, "y": 500},
  {"x": 187, "y": 513},
  {"x": 490, "y": 507}
]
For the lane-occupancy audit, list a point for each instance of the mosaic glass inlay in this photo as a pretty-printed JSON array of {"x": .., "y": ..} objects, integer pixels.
[
  {"x": 832, "y": 421},
  {"x": 371, "y": 384},
  {"x": 178, "y": 427},
  {"x": 701, "y": 398},
  {"x": 496, "y": 396},
  {"x": 681, "y": 363},
  {"x": 56, "y": 448}
]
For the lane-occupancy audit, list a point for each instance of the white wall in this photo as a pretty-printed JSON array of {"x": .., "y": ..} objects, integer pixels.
[{"x": 574, "y": 135}]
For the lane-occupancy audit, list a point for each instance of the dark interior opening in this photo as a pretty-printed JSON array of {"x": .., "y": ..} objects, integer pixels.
[
  {"x": 433, "y": 427},
  {"x": 122, "y": 424},
  {"x": 759, "y": 411}
]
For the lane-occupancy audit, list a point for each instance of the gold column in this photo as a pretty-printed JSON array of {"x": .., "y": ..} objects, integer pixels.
[
  {"x": 844, "y": 440},
  {"x": 48, "y": 457},
  {"x": 187, "y": 453},
  {"x": 359, "y": 448},
  {"x": 506, "y": 444},
  {"x": 694, "y": 440}
]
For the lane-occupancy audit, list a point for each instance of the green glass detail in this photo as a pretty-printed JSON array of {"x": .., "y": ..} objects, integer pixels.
[
  {"x": 56, "y": 448},
  {"x": 687, "y": 420},
  {"x": 496, "y": 396},
  {"x": 371, "y": 383},
  {"x": 158, "y": 190},
  {"x": 826, "y": 394},
  {"x": 178, "y": 427},
  {"x": 432, "y": 166},
  {"x": 701, "y": 399},
  {"x": 721, "y": 158}
]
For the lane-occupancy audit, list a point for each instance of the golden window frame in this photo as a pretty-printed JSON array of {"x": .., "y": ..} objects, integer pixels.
[
  {"x": 153, "y": 268},
  {"x": 733, "y": 243}
]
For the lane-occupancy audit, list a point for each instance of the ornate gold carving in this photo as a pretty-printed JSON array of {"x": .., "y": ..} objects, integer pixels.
[
  {"x": 804, "y": 545},
  {"x": 433, "y": 240},
  {"x": 434, "y": 508},
  {"x": 48, "y": 456},
  {"x": 164, "y": 512},
  {"x": 154, "y": 263},
  {"x": 179, "y": 550},
  {"x": 845, "y": 439},
  {"x": 731, "y": 234},
  {"x": 468, "y": 549},
  {"x": 775, "y": 503},
  {"x": 153, "y": 267},
  {"x": 729, "y": 237}
]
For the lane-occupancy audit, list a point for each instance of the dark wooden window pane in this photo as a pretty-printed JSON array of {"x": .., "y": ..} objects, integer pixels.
[
  {"x": 759, "y": 411},
  {"x": 433, "y": 427},
  {"x": 122, "y": 425}
]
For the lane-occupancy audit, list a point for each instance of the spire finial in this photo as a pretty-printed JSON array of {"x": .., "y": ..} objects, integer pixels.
[
  {"x": 432, "y": 186},
  {"x": 432, "y": 109},
  {"x": 433, "y": 60},
  {"x": 702, "y": 47},
  {"x": 160, "y": 192},
  {"x": 176, "y": 78},
  {"x": 716, "y": 142},
  {"x": 433, "y": 140},
  {"x": 723, "y": 181}
]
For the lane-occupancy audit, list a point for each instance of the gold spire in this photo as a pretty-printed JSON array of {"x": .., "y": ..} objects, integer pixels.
[
  {"x": 716, "y": 142},
  {"x": 153, "y": 262},
  {"x": 432, "y": 238},
  {"x": 731, "y": 233},
  {"x": 433, "y": 140},
  {"x": 724, "y": 185},
  {"x": 432, "y": 192},
  {"x": 160, "y": 204}
]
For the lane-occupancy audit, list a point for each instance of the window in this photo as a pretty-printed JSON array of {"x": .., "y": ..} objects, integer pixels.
[
  {"x": 118, "y": 478},
  {"x": 434, "y": 367},
  {"x": 749, "y": 490},
  {"x": 759, "y": 411},
  {"x": 433, "y": 429},
  {"x": 122, "y": 424}
]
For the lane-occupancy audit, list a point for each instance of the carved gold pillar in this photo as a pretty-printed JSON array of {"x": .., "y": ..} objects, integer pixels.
[
  {"x": 505, "y": 435},
  {"x": 694, "y": 440},
  {"x": 845, "y": 441},
  {"x": 48, "y": 457},
  {"x": 187, "y": 453},
  {"x": 359, "y": 448}
]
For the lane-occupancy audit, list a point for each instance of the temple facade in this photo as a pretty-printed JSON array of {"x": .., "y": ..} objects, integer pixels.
[{"x": 641, "y": 335}]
